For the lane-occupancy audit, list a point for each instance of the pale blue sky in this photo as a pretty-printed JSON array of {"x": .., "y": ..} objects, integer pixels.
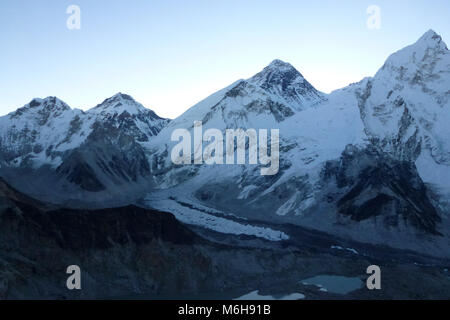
[{"x": 170, "y": 54}]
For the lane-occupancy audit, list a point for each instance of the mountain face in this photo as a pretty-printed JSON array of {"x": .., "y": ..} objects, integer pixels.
[
  {"x": 132, "y": 252},
  {"x": 124, "y": 245},
  {"x": 75, "y": 151},
  {"x": 282, "y": 80},
  {"x": 406, "y": 104},
  {"x": 120, "y": 245},
  {"x": 369, "y": 162},
  {"x": 382, "y": 186}
]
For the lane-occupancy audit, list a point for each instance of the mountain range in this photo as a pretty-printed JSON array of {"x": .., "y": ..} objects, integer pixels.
[{"x": 369, "y": 162}]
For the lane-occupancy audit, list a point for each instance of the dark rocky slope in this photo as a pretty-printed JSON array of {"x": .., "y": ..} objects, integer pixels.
[
  {"x": 376, "y": 185},
  {"x": 122, "y": 252},
  {"x": 131, "y": 252}
]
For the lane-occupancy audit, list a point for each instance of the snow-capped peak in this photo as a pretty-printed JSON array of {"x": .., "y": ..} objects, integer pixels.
[
  {"x": 48, "y": 103},
  {"x": 283, "y": 80},
  {"x": 278, "y": 73},
  {"x": 431, "y": 39},
  {"x": 280, "y": 65},
  {"x": 41, "y": 110},
  {"x": 122, "y": 97},
  {"x": 122, "y": 111},
  {"x": 118, "y": 104},
  {"x": 429, "y": 55},
  {"x": 45, "y": 130}
]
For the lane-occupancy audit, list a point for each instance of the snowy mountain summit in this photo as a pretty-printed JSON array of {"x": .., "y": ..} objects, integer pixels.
[
  {"x": 282, "y": 79},
  {"x": 66, "y": 150},
  {"x": 370, "y": 161}
]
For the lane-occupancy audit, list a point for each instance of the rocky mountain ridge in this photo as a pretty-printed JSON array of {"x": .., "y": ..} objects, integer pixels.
[{"x": 369, "y": 161}]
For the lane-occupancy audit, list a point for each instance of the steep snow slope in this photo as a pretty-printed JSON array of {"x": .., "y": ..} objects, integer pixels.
[
  {"x": 347, "y": 159},
  {"x": 35, "y": 130},
  {"x": 49, "y": 150},
  {"x": 313, "y": 128},
  {"x": 370, "y": 161},
  {"x": 266, "y": 101},
  {"x": 406, "y": 105}
]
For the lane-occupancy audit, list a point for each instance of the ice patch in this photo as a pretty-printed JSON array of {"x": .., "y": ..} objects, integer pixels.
[
  {"x": 348, "y": 249},
  {"x": 254, "y": 295},
  {"x": 196, "y": 217}
]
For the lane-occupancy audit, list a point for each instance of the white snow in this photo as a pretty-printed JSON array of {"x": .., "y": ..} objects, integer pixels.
[
  {"x": 354, "y": 251},
  {"x": 433, "y": 173},
  {"x": 50, "y": 124},
  {"x": 322, "y": 126},
  {"x": 317, "y": 128},
  {"x": 209, "y": 221}
]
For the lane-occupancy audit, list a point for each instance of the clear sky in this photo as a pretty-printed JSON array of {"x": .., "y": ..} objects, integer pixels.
[{"x": 170, "y": 54}]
